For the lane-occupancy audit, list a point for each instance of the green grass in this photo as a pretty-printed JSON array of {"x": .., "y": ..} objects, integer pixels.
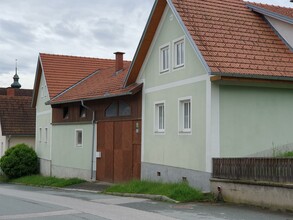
[
  {"x": 181, "y": 192},
  {"x": 3, "y": 178},
  {"x": 286, "y": 154},
  {"x": 38, "y": 180}
]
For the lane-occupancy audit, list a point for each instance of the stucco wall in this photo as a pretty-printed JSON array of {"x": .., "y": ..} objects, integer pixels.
[
  {"x": 43, "y": 122},
  {"x": 285, "y": 29},
  {"x": 254, "y": 119},
  {"x": 66, "y": 156},
  {"x": 272, "y": 196},
  {"x": 173, "y": 152},
  {"x": 30, "y": 141}
]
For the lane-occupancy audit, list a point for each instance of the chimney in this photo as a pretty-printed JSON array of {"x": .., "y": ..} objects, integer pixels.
[
  {"x": 10, "y": 91},
  {"x": 119, "y": 61}
]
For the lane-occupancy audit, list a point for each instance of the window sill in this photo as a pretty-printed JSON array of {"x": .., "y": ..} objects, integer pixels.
[
  {"x": 184, "y": 133},
  {"x": 178, "y": 67},
  {"x": 159, "y": 132},
  {"x": 162, "y": 72}
]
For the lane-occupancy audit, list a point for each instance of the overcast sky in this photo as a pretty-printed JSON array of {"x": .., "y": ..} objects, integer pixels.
[{"x": 93, "y": 28}]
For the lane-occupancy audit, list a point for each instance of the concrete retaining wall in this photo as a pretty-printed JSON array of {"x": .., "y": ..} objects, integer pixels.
[
  {"x": 197, "y": 179},
  {"x": 268, "y": 195}
]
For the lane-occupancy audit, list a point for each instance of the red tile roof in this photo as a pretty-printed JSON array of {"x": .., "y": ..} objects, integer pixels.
[
  {"x": 17, "y": 117},
  {"x": 101, "y": 84},
  {"x": 62, "y": 71},
  {"x": 232, "y": 39},
  {"x": 235, "y": 40},
  {"x": 288, "y": 12}
]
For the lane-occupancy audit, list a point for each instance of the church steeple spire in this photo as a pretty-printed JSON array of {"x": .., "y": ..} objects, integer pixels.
[{"x": 15, "y": 84}]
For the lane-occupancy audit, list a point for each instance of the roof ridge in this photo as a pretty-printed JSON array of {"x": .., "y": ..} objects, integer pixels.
[{"x": 74, "y": 56}]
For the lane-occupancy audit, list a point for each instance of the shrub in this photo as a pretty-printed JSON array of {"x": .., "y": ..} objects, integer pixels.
[{"x": 19, "y": 161}]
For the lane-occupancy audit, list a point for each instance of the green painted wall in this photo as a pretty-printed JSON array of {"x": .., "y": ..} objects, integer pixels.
[
  {"x": 64, "y": 151},
  {"x": 43, "y": 120},
  {"x": 253, "y": 119},
  {"x": 170, "y": 31},
  {"x": 172, "y": 148}
]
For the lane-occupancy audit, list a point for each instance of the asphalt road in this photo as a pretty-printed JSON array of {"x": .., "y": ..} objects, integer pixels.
[{"x": 22, "y": 202}]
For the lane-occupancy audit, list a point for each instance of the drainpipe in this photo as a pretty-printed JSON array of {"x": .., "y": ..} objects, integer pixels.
[{"x": 93, "y": 138}]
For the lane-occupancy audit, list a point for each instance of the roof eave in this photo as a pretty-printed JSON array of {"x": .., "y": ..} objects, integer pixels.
[
  {"x": 130, "y": 92},
  {"x": 253, "y": 76}
]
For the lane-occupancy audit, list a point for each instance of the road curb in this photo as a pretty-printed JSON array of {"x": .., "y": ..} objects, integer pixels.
[{"x": 145, "y": 196}]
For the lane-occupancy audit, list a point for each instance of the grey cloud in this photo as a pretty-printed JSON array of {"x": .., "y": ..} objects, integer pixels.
[{"x": 15, "y": 31}]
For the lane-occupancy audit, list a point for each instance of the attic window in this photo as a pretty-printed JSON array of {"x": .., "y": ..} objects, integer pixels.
[
  {"x": 65, "y": 113},
  {"x": 120, "y": 108},
  {"x": 124, "y": 109},
  {"x": 112, "y": 110},
  {"x": 82, "y": 112}
]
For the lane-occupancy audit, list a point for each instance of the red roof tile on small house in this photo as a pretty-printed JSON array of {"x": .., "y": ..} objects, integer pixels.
[
  {"x": 101, "y": 84},
  {"x": 62, "y": 71},
  {"x": 232, "y": 39},
  {"x": 17, "y": 117}
]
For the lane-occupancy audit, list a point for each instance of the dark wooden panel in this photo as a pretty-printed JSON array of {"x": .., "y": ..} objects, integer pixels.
[
  {"x": 105, "y": 145},
  {"x": 136, "y": 161}
]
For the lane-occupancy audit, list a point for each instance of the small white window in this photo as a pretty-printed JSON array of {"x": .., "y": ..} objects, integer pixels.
[
  {"x": 46, "y": 135},
  {"x": 78, "y": 138},
  {"x": 164, "y": 58},
  {"x": 40, "y": 134},
  {"x": 179, "y": 53},
  {"x": 160, "y": 117},
  {"x": 185, "y": 115}
]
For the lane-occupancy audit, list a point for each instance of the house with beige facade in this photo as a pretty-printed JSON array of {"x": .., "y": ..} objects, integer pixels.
[{"x": 17, "y": 117}]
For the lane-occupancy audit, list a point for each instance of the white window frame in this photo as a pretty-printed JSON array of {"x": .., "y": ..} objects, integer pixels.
[
  {"x": 181, "y": 116},
  {"x": 157, "y": 106},
  {"x": 175, "y": 43},
  {"x": 46, "y": 135},
  {"x": 162, "y": 49},
  {"x": 40, "y": 134},
  {"x": 76, "y": 138}
]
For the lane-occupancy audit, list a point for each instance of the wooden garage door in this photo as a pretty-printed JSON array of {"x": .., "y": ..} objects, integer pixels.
[{"x": 119, "y": 143}]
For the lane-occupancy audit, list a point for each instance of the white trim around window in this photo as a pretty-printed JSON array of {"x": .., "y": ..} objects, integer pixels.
[
  {"x": 159, "y": 117},
  {"x": 78, "y": 138},
  {"x": 40, "y": 134},
  {"x": 185, "y": 115},
  {"x": 165, "y": 58},
  {"x": 46, "y": 135},
  {"x": 179, "y": 52}
]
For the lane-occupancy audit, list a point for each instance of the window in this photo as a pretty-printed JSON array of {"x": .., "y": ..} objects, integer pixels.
[
  {"x": 164, "y": 58},
  {"x": 82, "y": 112},
  {"x": 185, "y": 115},
  {"x": 46, "y": 135},
  {"x": 160, "y": 117},
  {"x": 179, "y": 53},
  {"x": 40, "y": 134},
  {"x": 120, "y": 108},
  {"x": 112, "y": 110},
  {"x": 65, "y": 113},
  {"x": 78, "y": 138},
  {"x": 124, "y": 109}
]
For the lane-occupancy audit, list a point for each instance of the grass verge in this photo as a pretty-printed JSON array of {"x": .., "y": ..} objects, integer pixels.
[
  {"x": 181, "y": 192},
  {"x": 38, "y": 180}
]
